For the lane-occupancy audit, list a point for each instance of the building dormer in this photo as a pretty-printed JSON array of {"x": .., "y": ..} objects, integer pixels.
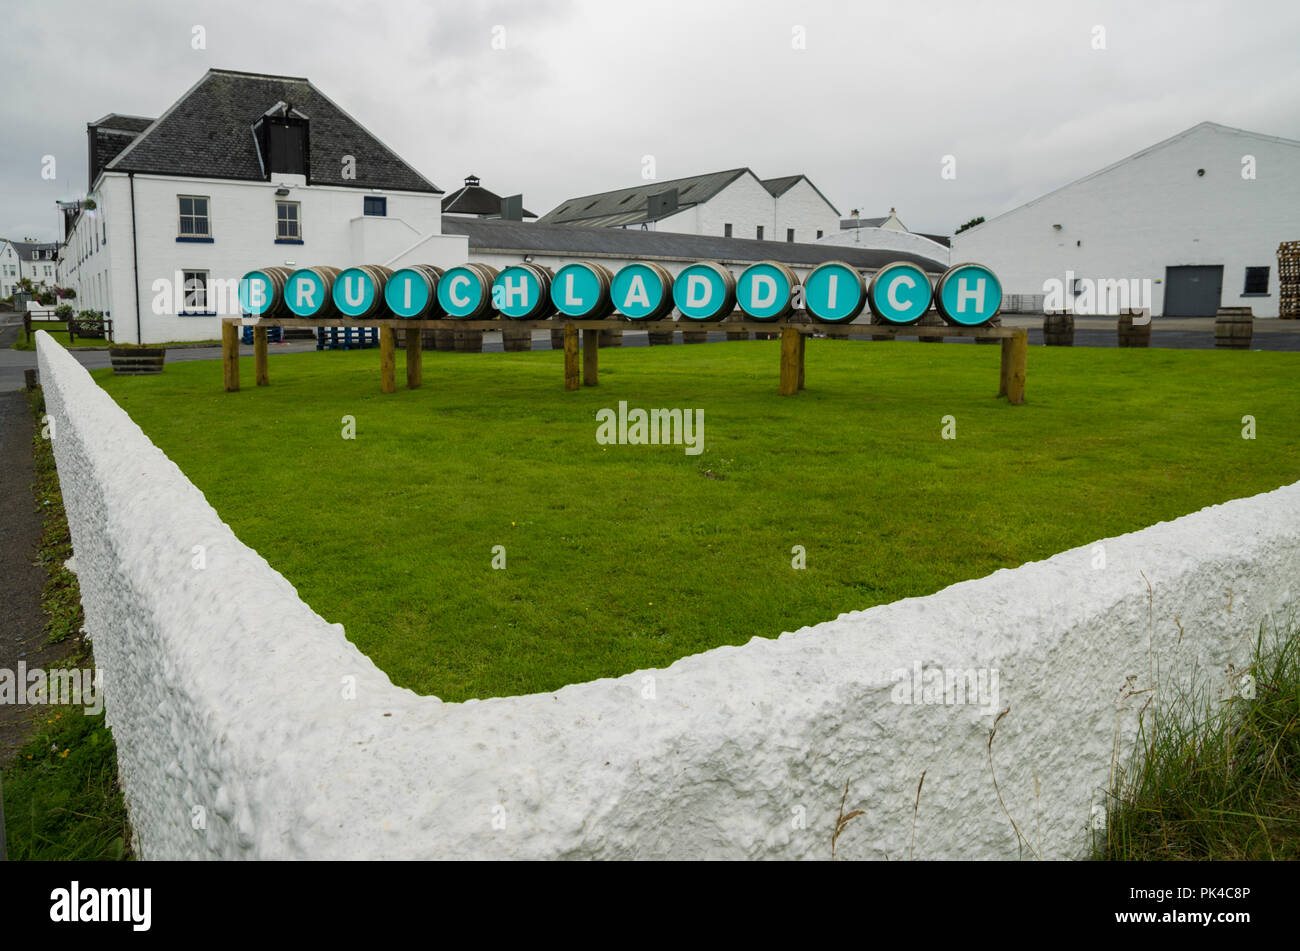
[{"x": 283, "y": 144}]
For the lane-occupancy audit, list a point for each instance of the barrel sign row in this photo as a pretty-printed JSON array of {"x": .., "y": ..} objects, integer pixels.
[{"x": 966, "y": 295}]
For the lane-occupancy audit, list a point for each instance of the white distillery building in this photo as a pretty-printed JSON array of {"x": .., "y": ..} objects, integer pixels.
[
  {"x": 890, "y": 239},
  {"x": 243, "y": 171},
  {"x": 733, "y": 204},
  {"x": 1200, "y": 215},
  {"x": 10, "y": 264},
  {"x": 38, "y": 261}
]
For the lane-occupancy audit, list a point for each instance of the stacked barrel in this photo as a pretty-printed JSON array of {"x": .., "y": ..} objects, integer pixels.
[{"x": 833, "y": 294}]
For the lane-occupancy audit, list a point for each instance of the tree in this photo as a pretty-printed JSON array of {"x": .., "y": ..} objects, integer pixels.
[{"x": 971, "y": 224}]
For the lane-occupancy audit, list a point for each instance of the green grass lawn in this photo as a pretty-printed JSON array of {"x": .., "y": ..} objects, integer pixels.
[
  {"x": 60, "y": 334},
  {"x": 625, "y": 557}
]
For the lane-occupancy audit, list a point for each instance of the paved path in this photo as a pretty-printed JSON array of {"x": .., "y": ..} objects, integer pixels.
[
  {"x": 1191, "y": 333},
  {"x": 22, "y": 624}
]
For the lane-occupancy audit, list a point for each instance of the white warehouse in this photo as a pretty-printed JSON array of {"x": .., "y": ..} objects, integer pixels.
[
  {"x": 243, "y": 171},
  {"x": 1200, "y": 215},
  {"x": 735, "y": 203}
]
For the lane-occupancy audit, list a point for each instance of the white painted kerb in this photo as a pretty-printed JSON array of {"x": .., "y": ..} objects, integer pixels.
[{"x": 225, "y": 695}]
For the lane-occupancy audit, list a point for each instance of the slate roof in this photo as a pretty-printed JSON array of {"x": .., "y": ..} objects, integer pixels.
[
  {"x": 625, "y": 206},
  {"x": 109, "y": 136},
  {"x": 115, "y": 120},
  {"x": 518, "y": 237},
  {"x": 779, "y": 186},
  {"x": 937, "y": 238},
  {"x": 207, "y": 133},
  {"x": 35, "y": 250},
  {"x": 862, "y": 222},
  {"x": 474, "y": 199}
]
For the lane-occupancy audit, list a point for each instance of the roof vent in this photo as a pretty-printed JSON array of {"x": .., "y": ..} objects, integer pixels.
[
  {"x": 665, "y": 203},
  {"x": 471, "y": 181}
]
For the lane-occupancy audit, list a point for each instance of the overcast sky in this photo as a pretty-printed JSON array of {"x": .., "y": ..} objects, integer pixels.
[{"x": 1016, "y": 92}]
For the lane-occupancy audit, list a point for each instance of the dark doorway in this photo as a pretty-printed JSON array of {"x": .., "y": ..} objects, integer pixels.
[{"x": 1194, "y": 291}]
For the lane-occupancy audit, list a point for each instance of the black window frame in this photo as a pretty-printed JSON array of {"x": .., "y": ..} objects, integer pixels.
[
  {"x": 1261, "y": 286},
  {"x": 758, "y": 236},
  {"x": 726, "y": 230},
  {"x": 379, "y": 201}
]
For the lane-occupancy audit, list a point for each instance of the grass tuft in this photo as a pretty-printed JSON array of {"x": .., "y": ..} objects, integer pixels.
[{"x": 1216, "y": 779}]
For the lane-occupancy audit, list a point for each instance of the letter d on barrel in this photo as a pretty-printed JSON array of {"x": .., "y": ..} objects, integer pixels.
[{"x": 705, "y": 291}]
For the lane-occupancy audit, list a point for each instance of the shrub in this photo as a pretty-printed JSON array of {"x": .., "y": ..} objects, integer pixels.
[
  {"x": 63, "y": 311},
  {"x": 88, "y": 323}
]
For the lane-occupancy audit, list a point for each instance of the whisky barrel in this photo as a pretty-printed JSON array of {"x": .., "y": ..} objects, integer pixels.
[
  {"x": 609, "y": 338},
  {"x": 661, "y": 338},
  {"x": 1134, "y": 330},
  {"x": 137, "y": 361},
  {"x": 705, "y": 292},
  {"x": 765, "y": 291},
  {"x": 994, "y": 322},
  {"x": 261, "y": 292},
  {"x": 309, "y": 292},
  {"x": 899, "y": 293},
  {"x": 468, "y": 341},
  {"x": 1234, "y": 327},
  {"x": 444, "y": 340},
  {"x": 515, "y": 339},
  {"x": 465, "y": 292},
  {"x": 833, "y": 293},
  {"x": 359, "y": 291},
  {"x": 583, "y": 291},
  {"x": 523, "y": 292},
  {"x": 968, "y": 295},
  {"x": 694, "y": 335},
  {"x": 931, "y": 319},
  {"x": 642, "y": 291},
  {"x": 737, "y": 316},
  {"x": 412, "y": 292},
  {"x": 1058, "y": 328}
]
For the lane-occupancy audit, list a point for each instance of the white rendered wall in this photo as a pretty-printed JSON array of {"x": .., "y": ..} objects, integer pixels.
[
  {"x": 885, "y": 239},
  {"x": 334, "y": 231},
  {"x": 1152, "y": 211},
  {"x": 225, "y": 694},
  {"x": 804, "y": 210}
]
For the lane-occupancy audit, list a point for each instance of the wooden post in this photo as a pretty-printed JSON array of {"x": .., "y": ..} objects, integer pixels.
[
  {"x": 789, "y": 361},
  {"x": 803, "y": 339},
  {"x": 230, "y": 355},
  {"x": 414, "y": 360},
  {"x": 570, "y": 357},
  {"x": 261, "y": 371},
  {"x": 387, "y": 360},
  {"x": 590, "y": 356},
  {"x": 1016, "y": 376}
]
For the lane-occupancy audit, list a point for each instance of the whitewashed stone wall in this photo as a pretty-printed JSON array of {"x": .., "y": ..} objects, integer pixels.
[{"x": 225, "y": 694}]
